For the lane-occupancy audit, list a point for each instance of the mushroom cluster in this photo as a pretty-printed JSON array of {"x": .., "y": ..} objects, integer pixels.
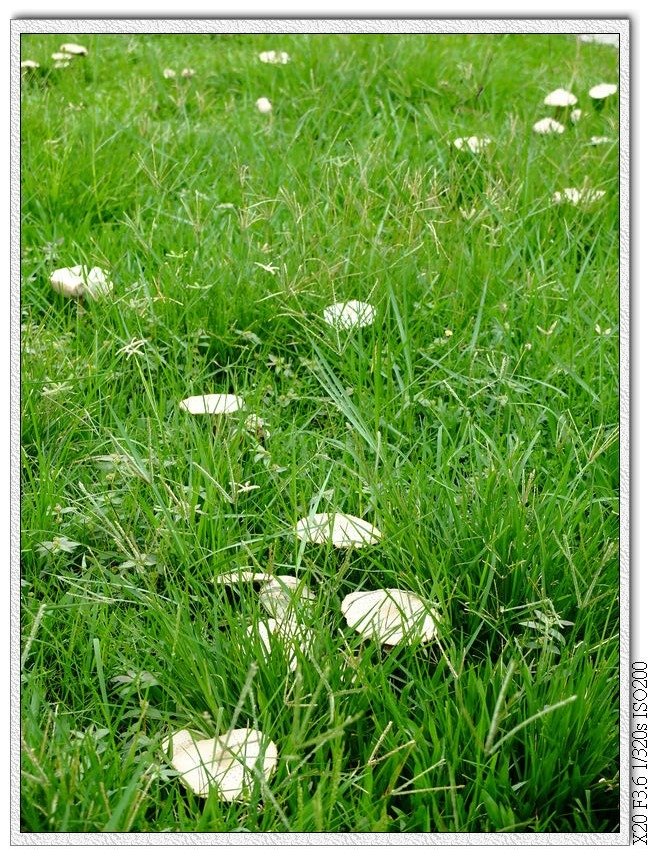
[
  {"x": 563, "y": 102},
  {"x": 66, "y": 53}
]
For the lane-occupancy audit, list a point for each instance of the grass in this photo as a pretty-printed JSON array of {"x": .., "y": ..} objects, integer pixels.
[{"x": 475, "y": 423}]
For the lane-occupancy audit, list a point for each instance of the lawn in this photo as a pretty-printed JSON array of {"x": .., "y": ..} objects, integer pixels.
[{"x": 474, "y": 423}]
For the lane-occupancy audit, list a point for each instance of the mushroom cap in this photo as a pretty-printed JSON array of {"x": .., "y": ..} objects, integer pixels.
[
  {"x": 97, "y": 283},
  {"x": 169, "y": 73},
  {"x": 578, "y": 196},
  {"x": 212, "y": 403},
  {"x": 276, "y": 57},
  {"x": 281, "y": 595},
  {"x": 602, "y": 91},
  {"x": 188, "y": 72},
  {"x": 278, "y": 594},
  {"x": 226, "y": 762},
  {"x": 547, "y": 125},
  {"x": 575, "y": 115},
  {"x": 353, "y": 313},
  {"x": 473, "y": 144},
  {"x": 391, "y": 615},
  {"x": 287, "y": 633},
  {"x": 29, "y": 64},
  {"x": 61, "y": 55},
  {"x": 560, "y": 98},
  {"x": 73, "y": 48},
  {"x": 77, "y": 281},
  {"x": 342, "y": 530},
  {"x": 264, "y": 105}
]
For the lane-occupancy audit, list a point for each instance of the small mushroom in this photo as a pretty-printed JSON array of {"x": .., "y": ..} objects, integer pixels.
[
  {"x": 278, "y": 595},
  {"x": 230, "y": 763},
  {"x": 287, "y": 633},
  {"x": 341, "y": 530},
  {"x": 212, "y": 403},
  {"x": 547, "y": 126},
  {"x": 62, "y": 56},
  {"x": 595, "y": 140},
  {"x": 578, "y": 196},
  {"x": 275, "y": 57},
  {"x": 391, "y": 615},
  {"x": 560, "y": 98},
  {"x": 169, "y": 73},
  {"x": 73, "y": 48},
  {"x": 281, "y": 595},
  {"x": 575, "y": 115},
  {"x": 29, "y": 65},
  {"x": 77, "y": 281},
  {"x": 188, "y": 72},
  {"x": 264, "y": 105},
  {"x": 473, "y": 144},
  {"x": 600, "y": 93},
  {"x": 346, "y": 316}
]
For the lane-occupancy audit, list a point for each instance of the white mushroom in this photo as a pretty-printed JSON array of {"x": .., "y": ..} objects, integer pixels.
[
  {"x": 341, "y": 530},
  {"x": 264, "y": 105},
  {"x": 600, "y": 139},
  {"x": 391, "y": 615},
  {"x": 29, "y": 64},
  {"x": 602, "y": 91},
  {"x": 345, "y": 316},
  {"x": 229, "y": 763},
  {"x": 575, "y": 115},
  {"x": 603, "y": 38},
  {"x": 188, "y": 72},
  {"x": 560, "y": 99},
  {"x": 61, "y": 64},
  {"x": 61, "y": 56},
  {"x": 97, "y": 283},
  {"x": 473, "y": 144},
  {"x": 212, "y": 403},
  {"x": 276, "y": 57},
  {"x": 169, "y": 73},
  {"x": 578, "y": 196},
  {"x": 278, "y": 594},
  {"x": 72, "y": 48},
  {"x": 287, "y": 633},
  {"x": 547, "y": 125},
  {"x": 77, "y": 281},
  {"x": 281, "y": 595}
]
